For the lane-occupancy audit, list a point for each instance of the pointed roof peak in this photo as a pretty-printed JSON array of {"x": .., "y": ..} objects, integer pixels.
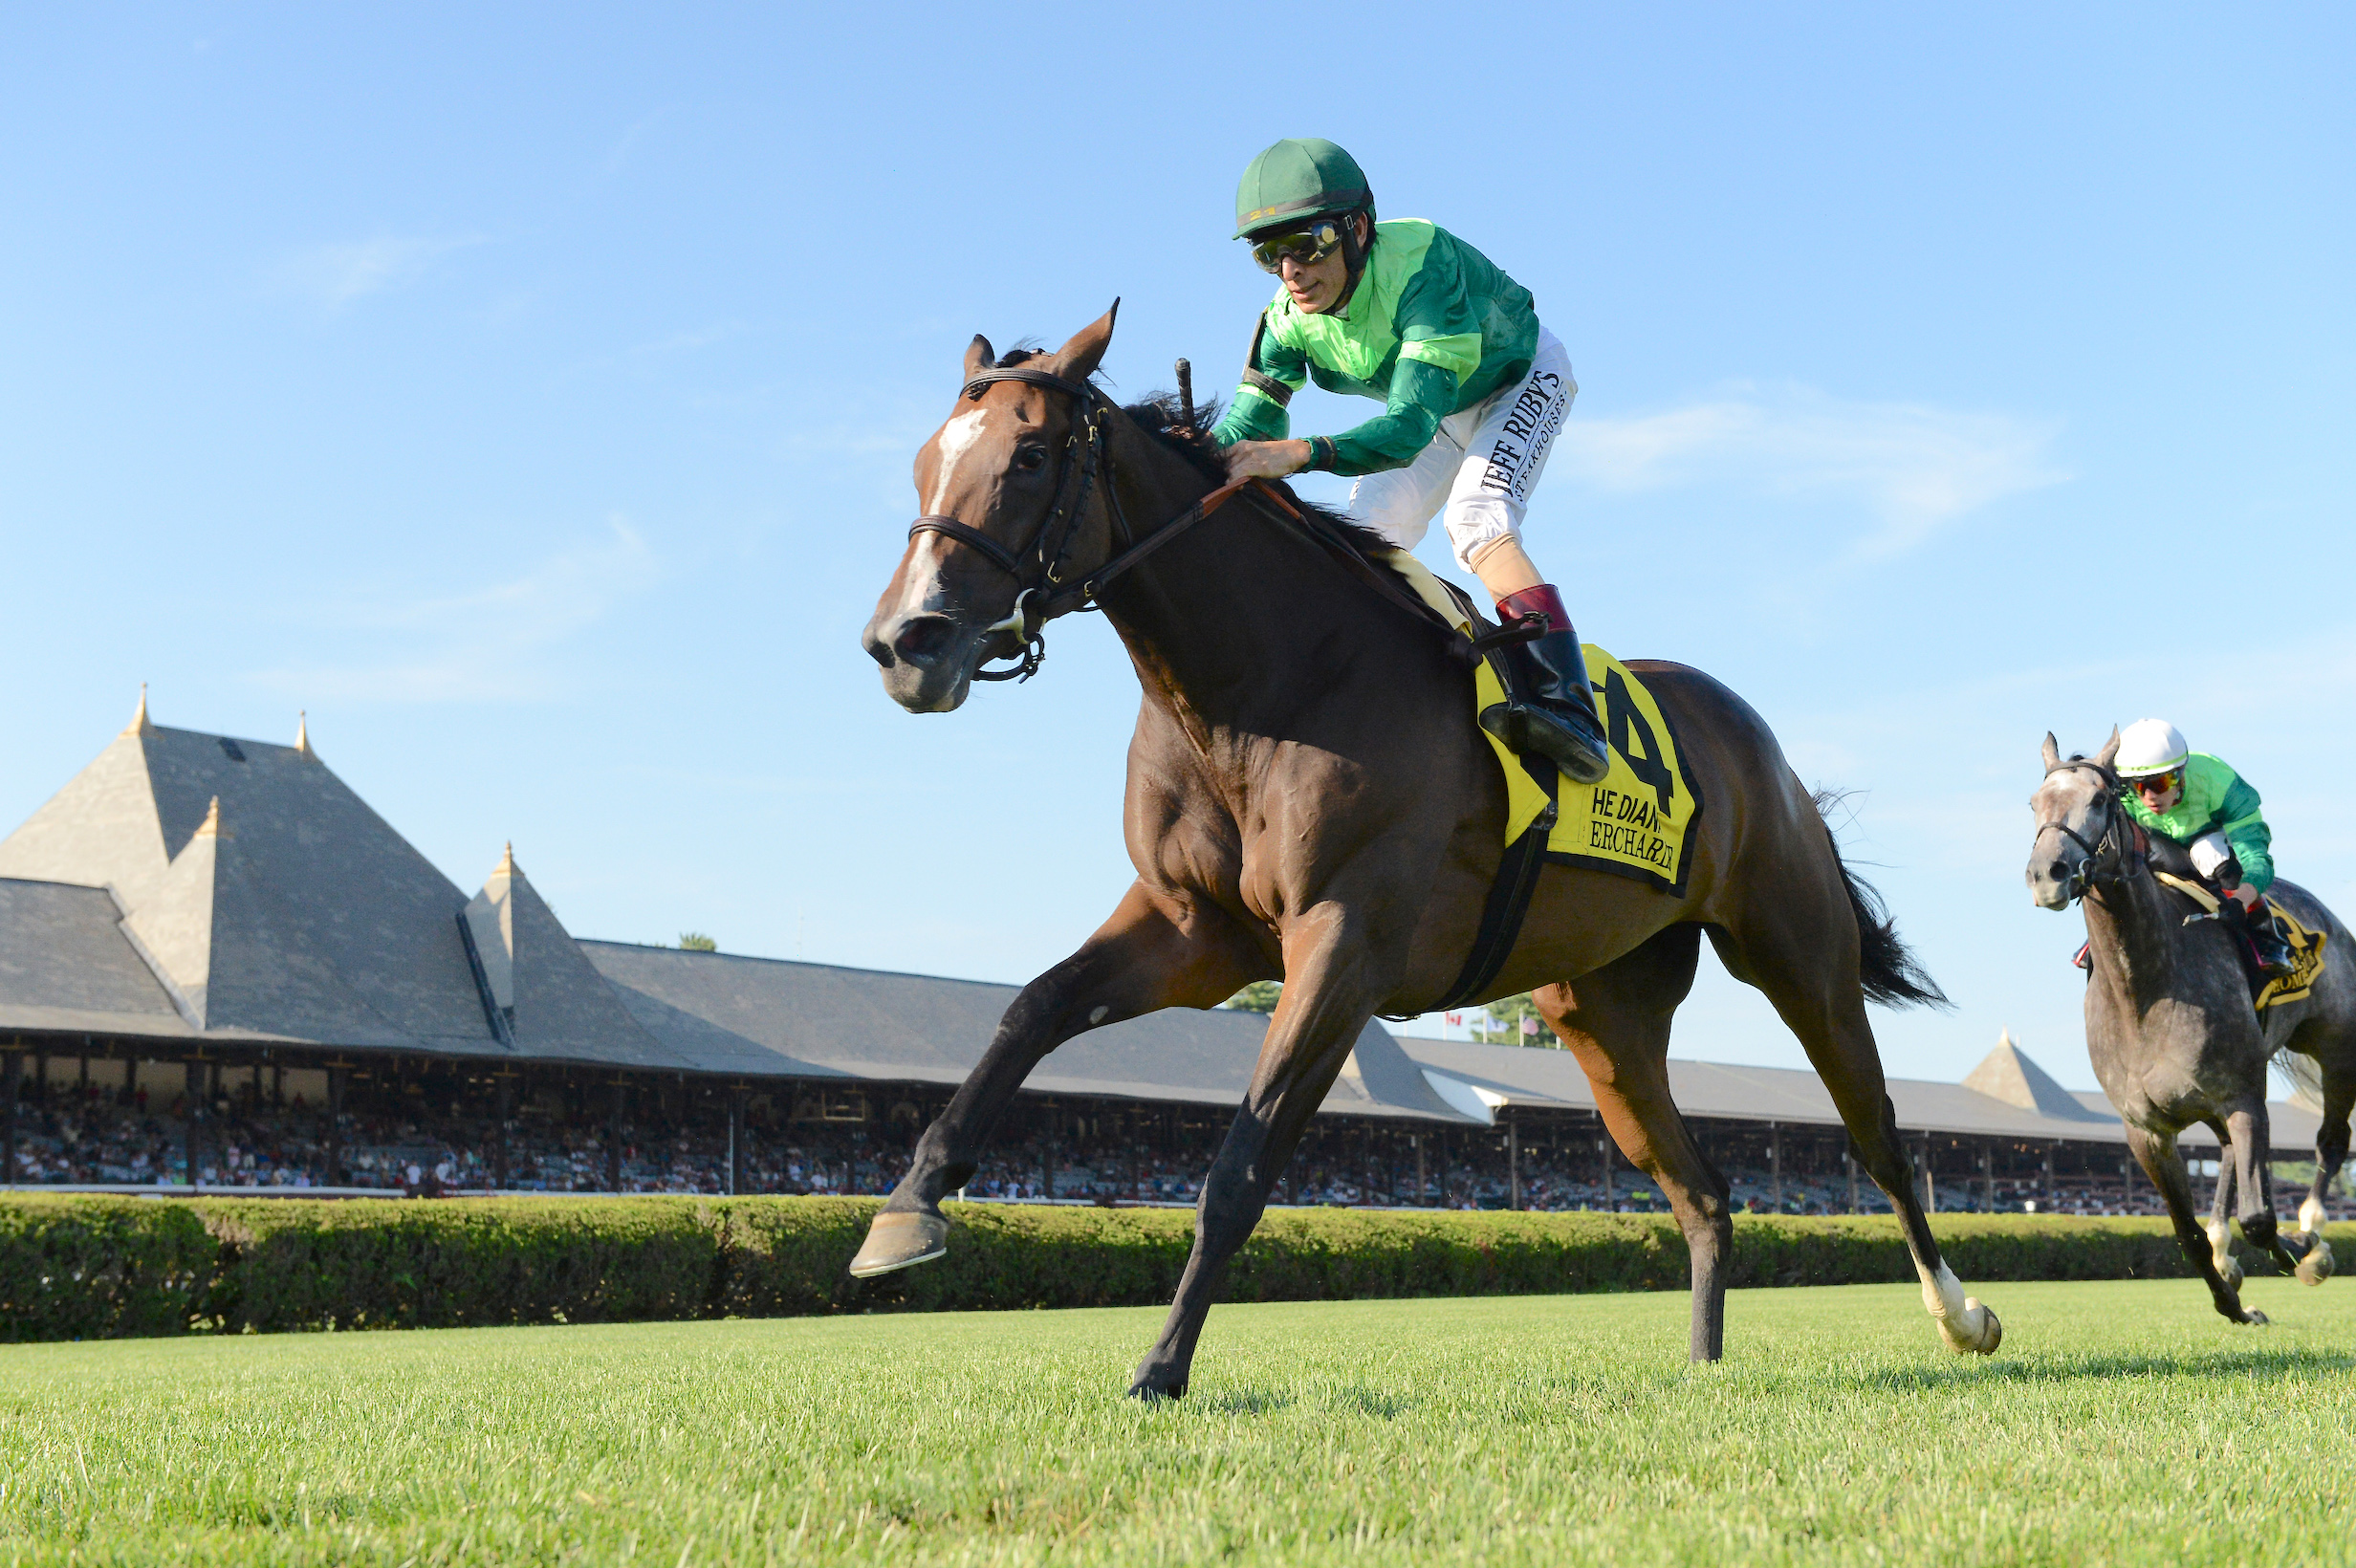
[
  {"x": 302, "y": 735},
  {"x": 2007, "y": 1074},
  {"x": 507, "y": 866},
  {"x": 210, "y": 827},
  {"x": 139, "y": 723}
]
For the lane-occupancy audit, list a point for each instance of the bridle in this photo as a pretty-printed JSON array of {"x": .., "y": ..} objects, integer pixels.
[
  {"x": 2085, "y": 876},
  {"x": 1037, "y": 566}
]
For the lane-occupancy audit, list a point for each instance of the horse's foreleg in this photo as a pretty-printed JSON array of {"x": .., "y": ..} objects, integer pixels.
[
  {"x": 2164, "y": 1162},
  {"x": 1146, "y": 957},
  {"x": 2221, "y": 1208},
  {"x": 1616, "y": 1021},
  {"x": 1328, "y": 997},
  {"x": 1801, "y": 950}
]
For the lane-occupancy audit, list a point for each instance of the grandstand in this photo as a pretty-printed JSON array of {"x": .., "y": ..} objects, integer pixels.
[{"x": 219, "y": 968}]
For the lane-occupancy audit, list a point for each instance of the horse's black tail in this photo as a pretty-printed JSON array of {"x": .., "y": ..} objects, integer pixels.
[{"x": 1891, "y": 974}]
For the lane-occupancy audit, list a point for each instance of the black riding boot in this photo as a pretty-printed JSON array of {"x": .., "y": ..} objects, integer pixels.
[
  {"x": 2274, "y": 954},
  {"x": 1556, "y": 719}
]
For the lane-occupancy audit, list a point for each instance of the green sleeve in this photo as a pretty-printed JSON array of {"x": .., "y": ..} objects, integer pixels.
[
  {"x": 2244, "y": 829},
  {"x": 1420, "y": 396},
  {"x": 1257, "y": 415}
]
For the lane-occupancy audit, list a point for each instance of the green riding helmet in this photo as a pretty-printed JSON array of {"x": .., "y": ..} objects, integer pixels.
[{"x": 1300, "y": 177}]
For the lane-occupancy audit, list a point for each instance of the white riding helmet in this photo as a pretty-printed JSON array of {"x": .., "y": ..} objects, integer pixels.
[{"x": 2148, "y": 746}]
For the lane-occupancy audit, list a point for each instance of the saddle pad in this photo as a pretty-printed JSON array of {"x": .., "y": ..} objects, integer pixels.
[
  {"x": 2306, "y": 947},
  {"x": 1635, "y": 823},
  {"x": 2306, "y": 961}
]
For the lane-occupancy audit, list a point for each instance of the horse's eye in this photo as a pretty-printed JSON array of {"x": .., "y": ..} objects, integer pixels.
[{"x": 1031, "y": 459}]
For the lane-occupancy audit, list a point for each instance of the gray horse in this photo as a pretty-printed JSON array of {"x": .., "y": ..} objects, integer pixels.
[{"x": 2170, "y": 1026}]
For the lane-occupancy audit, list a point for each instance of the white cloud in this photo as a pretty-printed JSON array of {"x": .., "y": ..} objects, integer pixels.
[
  {"x": 1915, "y": 468},
  {"x": 336, "y": 274},
  {"x": 475, "y": 644}
]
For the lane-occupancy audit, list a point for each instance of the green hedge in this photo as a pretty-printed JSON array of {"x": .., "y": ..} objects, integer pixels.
[{"x": 90, "y": 1267}]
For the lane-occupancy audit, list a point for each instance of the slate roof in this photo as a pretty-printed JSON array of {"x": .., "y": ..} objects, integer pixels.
[
  {"x": 65, "y": 965},
  {"x": 767, "y": 1017},
  {"x": 187, "y": 888},
  {"x": 1507, "y": 1075},
  {"x": 293, "y": 910}
]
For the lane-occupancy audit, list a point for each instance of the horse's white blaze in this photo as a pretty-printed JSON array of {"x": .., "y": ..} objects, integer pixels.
[
  {"x": 2311, "y": 1215},
  {"x": 956, "y": 438}
]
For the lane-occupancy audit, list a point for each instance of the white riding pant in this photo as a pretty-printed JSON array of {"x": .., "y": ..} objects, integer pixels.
[
  {"x": 1482, "y": 464},
  {"x": 2208, "y": 852}
]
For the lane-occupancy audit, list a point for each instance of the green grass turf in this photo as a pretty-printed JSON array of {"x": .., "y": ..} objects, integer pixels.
[{"x": 2121, "y": 1423}]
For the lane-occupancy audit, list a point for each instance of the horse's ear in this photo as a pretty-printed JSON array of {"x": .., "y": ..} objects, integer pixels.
[
  {"x": 2109, "y": 753},
  {"x": 979, "y": 357},
  {"x": 2052, "y": 753},
  {"x": 1076, "y": 361}
]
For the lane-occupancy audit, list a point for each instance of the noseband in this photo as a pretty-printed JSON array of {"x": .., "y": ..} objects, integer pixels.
[{"x": 2084, "y": 876}]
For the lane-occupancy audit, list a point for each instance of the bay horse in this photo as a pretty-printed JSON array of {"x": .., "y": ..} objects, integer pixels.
[
  {"x": 2169, "y": 1028},
  {"x": 1309, "y": 799}
]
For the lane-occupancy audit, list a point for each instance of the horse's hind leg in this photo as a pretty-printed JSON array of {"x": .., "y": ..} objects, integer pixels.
[
  {"x": 2157, "y": 1153},
  {"x": 1616, "y": 1022},
  {"x": 1799, "y": 945},
  {"x": 1143, "y": 958},
  {"x": 2330, "y": 1154},
  {"x": 2253, "y": 1194}
]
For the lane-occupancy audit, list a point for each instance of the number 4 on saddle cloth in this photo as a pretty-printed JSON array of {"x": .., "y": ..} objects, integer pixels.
[{"x": 1635, "y": 823}]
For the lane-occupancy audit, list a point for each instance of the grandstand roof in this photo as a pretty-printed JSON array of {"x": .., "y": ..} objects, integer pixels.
[
  {"x": 769, "y": 1017},
  {"x": 188, "y": 889},
  {"x": 1523, "y": 1076}
]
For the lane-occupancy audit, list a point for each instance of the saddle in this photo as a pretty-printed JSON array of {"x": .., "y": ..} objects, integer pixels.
[{"x": 2173, "y": 867}]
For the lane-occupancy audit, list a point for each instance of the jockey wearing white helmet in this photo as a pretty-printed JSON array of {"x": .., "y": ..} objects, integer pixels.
[{"x": 2198, "y": 801}]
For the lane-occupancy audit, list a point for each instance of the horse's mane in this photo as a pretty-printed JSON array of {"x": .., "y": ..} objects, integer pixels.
[{"x": 1160, "y": 417}]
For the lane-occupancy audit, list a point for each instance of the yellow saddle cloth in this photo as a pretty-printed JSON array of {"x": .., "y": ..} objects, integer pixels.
[
  {"x": 2306, "y": 947},
  {"x": 1637, "y": 821}
]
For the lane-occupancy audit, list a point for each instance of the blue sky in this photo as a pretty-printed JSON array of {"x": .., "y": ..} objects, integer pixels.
[{"x": 529, "y": 394}]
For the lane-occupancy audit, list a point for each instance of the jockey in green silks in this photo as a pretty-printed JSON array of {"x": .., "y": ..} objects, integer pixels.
[
  {"x": 2198, "y": 801},
  {"x": 1474, "y": 392}
]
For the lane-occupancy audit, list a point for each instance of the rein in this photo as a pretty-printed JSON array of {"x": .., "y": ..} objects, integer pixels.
[{"x": 1045, "y": 596}]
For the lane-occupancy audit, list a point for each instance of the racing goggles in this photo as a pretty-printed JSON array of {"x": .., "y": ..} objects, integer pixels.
[
  {"x": 1306, "y": 247},
  {"x": 2158, "y": 783}
]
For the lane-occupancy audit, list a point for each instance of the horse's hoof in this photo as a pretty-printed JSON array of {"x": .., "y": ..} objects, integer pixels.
[
  {"x": 1150, "y": 1389},
  {"x": 1979, "y": 1332},
  {"x": 2229, "y": 1272},
  {"x": 2252, "y": 1316},
  {"x": 901, "y": 1241},
  {"x": 2316, "y": 1266}
]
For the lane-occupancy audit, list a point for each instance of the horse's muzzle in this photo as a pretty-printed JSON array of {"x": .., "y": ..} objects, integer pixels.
[
  {"x": 2051, "y": 887},
  {"x": 926, "y": 659}
]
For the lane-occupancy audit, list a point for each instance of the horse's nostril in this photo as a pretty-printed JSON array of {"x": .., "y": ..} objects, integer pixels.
[
  {"x": 877, "y": 649},
  {"x": 924, "y": 640}
]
